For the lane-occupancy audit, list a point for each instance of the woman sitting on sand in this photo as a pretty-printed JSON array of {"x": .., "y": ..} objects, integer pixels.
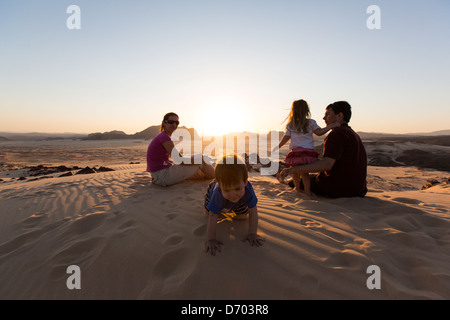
[{"x": 163, "y": 171}]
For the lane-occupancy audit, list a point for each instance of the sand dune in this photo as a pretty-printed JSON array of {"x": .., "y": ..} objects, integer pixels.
[{"x": 135, "y": 240}]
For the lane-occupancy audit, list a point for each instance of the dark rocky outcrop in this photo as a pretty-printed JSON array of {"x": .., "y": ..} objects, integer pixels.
[{"x": 146, "y": 134}]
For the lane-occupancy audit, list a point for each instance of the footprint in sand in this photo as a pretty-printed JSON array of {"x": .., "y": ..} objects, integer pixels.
[
  {"x": 79, "y": 252},
  {"x": 86, "y": 223},
  {"x": 318, "y": 228},
  {"x": 347, "y": 259},
  {"x": 171, "y": 216},
  {"x": 170, "y": 273},
  {"x": 173, "y": 240},
  {"x": 33, "y": 220},
  {"x": 309, "y": 223}
]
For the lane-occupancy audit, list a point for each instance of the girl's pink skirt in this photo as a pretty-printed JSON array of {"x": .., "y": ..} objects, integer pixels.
[{"x": 300, "y": 156}]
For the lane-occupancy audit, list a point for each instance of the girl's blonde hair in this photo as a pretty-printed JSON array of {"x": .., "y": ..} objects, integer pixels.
[{"x": 299, "y": 116}]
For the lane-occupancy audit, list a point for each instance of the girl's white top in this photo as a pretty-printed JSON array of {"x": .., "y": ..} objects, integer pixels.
[{"x": 304, "y": 140}]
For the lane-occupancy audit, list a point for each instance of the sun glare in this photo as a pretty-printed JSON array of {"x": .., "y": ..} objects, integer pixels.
[{"x": 222, "y": 117}]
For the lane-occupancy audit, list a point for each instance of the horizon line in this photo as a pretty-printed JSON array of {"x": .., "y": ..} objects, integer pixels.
[{"x": 436, "y": 132}]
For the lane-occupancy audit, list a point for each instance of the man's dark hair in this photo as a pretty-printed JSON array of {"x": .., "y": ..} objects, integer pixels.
[{"x": 344, "y": 107}]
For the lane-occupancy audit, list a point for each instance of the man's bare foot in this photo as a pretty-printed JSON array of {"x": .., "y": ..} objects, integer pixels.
[{"x": 279, "y": 178}]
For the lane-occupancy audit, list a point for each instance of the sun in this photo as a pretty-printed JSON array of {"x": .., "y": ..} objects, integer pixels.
[{"x": 221, "y": 117}]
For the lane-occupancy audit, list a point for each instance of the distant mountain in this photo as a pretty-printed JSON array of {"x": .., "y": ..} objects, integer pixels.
[
  {"x": 441, "y": 137},
  {"x": 110, "y": 135},
  {"x": 146, "y": 134},
  {"x": 38, "y": 136},
  {"x": 379, "y": 134},
  {"x": 434, "y": 133},
  {"x": 440, "y": 140}
]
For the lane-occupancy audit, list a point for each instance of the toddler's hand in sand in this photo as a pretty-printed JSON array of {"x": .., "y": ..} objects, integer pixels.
[
  {"x": 213, "y": 246},
  {"x": 254, "y": 240}
]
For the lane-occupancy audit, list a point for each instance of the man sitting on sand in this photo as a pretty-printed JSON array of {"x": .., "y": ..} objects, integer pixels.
[
  {"x": 231, "y": 192},
  {"x": 343, "y": 169}
]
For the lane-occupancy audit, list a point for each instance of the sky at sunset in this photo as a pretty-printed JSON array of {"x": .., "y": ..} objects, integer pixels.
[{"x": 222, "y": 65}]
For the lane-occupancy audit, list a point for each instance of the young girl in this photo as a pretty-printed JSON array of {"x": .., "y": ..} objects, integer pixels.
[{"x": 299, "y": 130}]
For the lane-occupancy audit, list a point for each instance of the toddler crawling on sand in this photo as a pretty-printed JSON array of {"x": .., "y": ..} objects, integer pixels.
[{"x": 231, "y": 192}]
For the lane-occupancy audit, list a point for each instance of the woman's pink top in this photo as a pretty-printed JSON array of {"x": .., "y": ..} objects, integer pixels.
[{"x": 157, "y": 155}]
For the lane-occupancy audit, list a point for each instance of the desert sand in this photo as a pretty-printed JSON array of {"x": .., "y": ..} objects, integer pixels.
[{"x": 135, "y": 240}]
